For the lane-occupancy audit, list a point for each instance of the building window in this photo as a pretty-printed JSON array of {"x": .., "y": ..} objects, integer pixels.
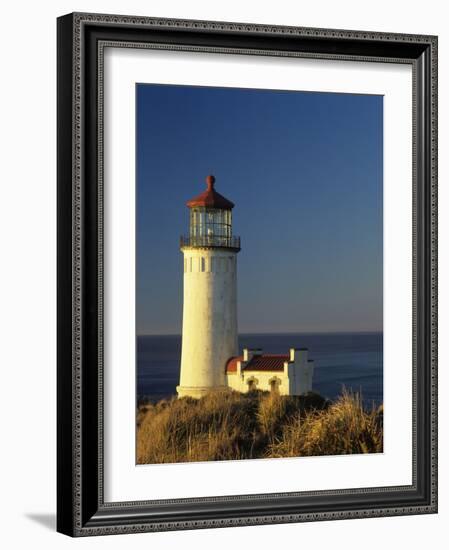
[
  {"x": 274, "y": 385},
  {"x": 252, "y": 384}
]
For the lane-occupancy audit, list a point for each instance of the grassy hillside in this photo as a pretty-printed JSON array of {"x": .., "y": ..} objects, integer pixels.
[{"x": 231, "y": 425}]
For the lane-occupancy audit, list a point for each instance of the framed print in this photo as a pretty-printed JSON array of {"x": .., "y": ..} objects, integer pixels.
[{"x": 247, "y": 289}]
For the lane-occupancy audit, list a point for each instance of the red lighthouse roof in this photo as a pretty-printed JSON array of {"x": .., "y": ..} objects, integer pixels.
[{"x": 210, "y": 198}]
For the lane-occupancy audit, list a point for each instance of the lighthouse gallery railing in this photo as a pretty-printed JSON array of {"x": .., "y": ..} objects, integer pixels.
[{"x": 210, "y": 240}]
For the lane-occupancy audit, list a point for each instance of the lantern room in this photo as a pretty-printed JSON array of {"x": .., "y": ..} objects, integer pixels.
[{"x": 210, "y": 220}]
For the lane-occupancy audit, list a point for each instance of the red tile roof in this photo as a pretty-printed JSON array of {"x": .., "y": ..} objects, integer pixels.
[
  {"x": 266, "y": 362},
  {"x": 231, "y": 365},
  {"x": 210, "y": 198}
]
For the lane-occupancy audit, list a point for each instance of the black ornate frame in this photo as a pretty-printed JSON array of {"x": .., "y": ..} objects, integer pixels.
[{"x": 81, "y": 508}]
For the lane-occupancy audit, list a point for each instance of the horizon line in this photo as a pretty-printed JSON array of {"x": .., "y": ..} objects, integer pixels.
[{"x": 378, "y": 331}]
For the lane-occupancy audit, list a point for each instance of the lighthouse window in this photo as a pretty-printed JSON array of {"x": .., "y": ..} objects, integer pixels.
[{"x": 210, "y": 226}]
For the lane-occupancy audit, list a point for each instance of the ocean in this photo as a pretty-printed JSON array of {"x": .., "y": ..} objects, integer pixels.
[{"x": 352, "y": 360}]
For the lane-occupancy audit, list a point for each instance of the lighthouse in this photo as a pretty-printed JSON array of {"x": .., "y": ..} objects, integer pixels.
[
  {"x": 209, "y": 324},
  {"x": 209, "y": 357}
]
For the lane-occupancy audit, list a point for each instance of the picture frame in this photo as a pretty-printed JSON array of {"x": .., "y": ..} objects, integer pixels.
[{"x": 81, "y": 507}]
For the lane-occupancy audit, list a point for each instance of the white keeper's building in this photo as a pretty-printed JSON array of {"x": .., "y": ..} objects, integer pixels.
[{"x": 210, "y": 360}]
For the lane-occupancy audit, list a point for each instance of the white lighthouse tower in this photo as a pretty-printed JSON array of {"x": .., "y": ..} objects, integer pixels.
[{"x": 209, "y": 326}]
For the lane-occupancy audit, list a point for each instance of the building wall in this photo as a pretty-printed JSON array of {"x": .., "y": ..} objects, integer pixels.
[
  {"x": 209, "y": 327},
  {"x": 262, "y": 378},
  {"x": 296, "y": 379},
  {"x": 300, "y": 373}
]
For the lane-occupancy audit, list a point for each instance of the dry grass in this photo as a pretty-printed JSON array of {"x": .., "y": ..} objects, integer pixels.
[
  {"x": 344, "y": 428},
  {"x": 231, "y": 425}
]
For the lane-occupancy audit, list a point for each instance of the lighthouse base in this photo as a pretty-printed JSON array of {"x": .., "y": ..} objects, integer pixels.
[{"x": 198, "y": 392}]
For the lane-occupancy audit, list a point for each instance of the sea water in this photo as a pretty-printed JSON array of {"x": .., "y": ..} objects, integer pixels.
[{"x": 350, "y": 360}]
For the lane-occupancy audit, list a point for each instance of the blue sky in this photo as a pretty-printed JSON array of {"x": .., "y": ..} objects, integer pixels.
[{"x": 305, "y": 173}]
